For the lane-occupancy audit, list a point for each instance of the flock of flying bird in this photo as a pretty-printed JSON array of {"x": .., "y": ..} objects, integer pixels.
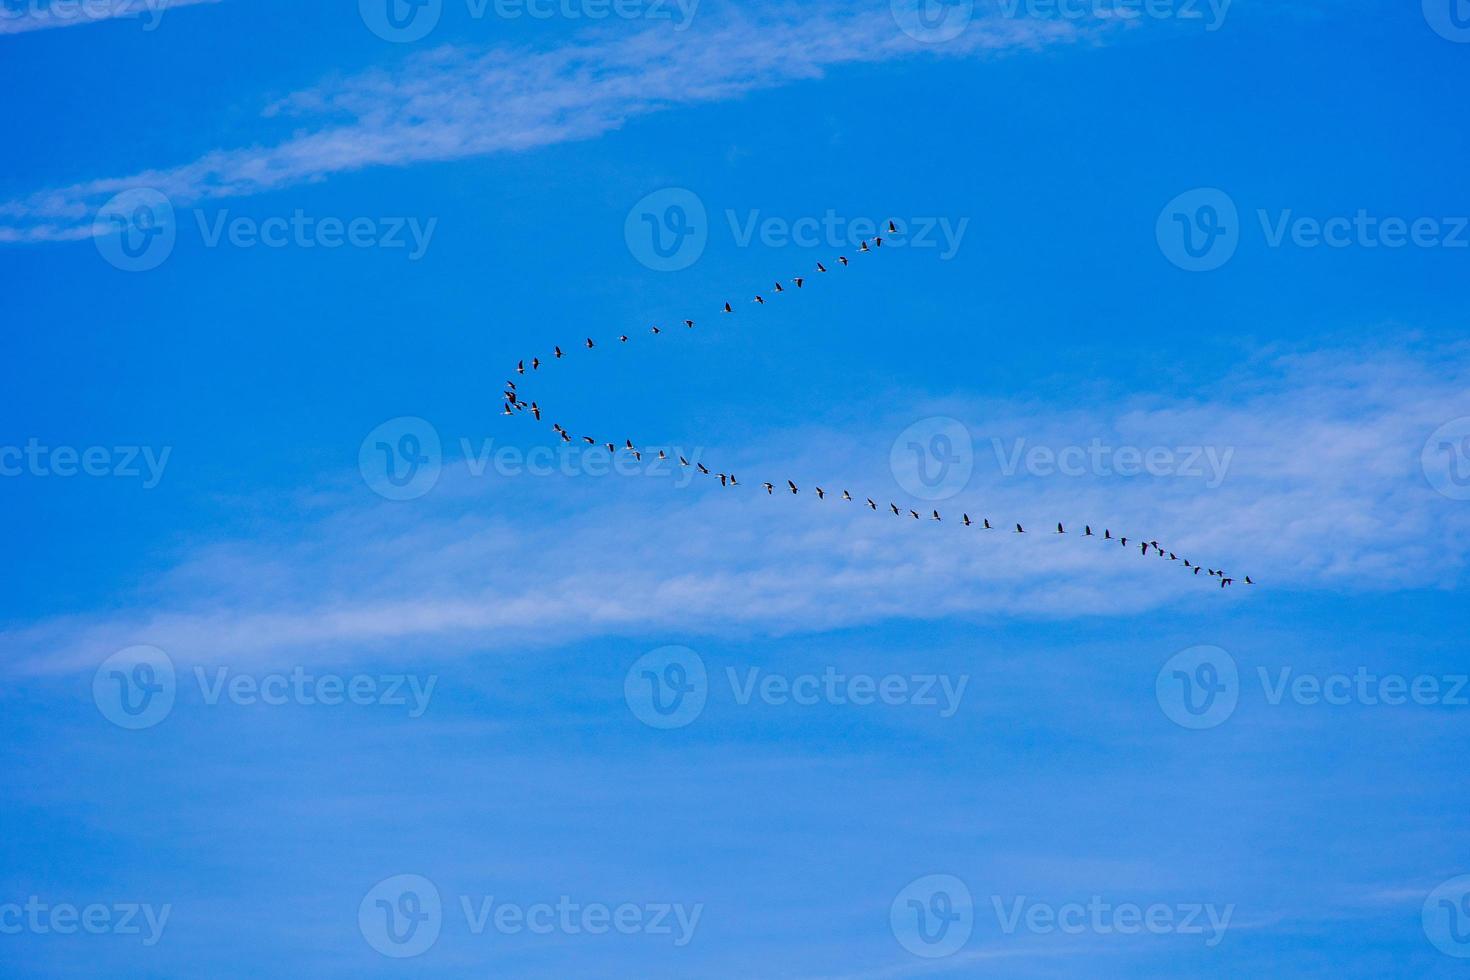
[{"x": 514, "y": 404}]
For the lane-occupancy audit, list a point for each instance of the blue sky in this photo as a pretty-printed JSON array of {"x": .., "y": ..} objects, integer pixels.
[{"x": 1197, "y": 274}]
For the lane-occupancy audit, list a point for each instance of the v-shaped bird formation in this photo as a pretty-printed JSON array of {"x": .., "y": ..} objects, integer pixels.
[{"x": 515, "y": 404}]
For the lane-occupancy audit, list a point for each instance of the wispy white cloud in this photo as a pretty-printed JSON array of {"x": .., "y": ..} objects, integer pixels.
[
  {"x": 1325, "y": 491},
  {"x": 37, "y": 15},
  {"x": 455, "y": 102}
]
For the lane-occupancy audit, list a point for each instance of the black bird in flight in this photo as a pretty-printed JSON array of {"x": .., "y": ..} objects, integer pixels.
[
  {"x": 770, "y": 488},
  {"x": 559, "y": 354},
  {"x": 792, "y": 486}
]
